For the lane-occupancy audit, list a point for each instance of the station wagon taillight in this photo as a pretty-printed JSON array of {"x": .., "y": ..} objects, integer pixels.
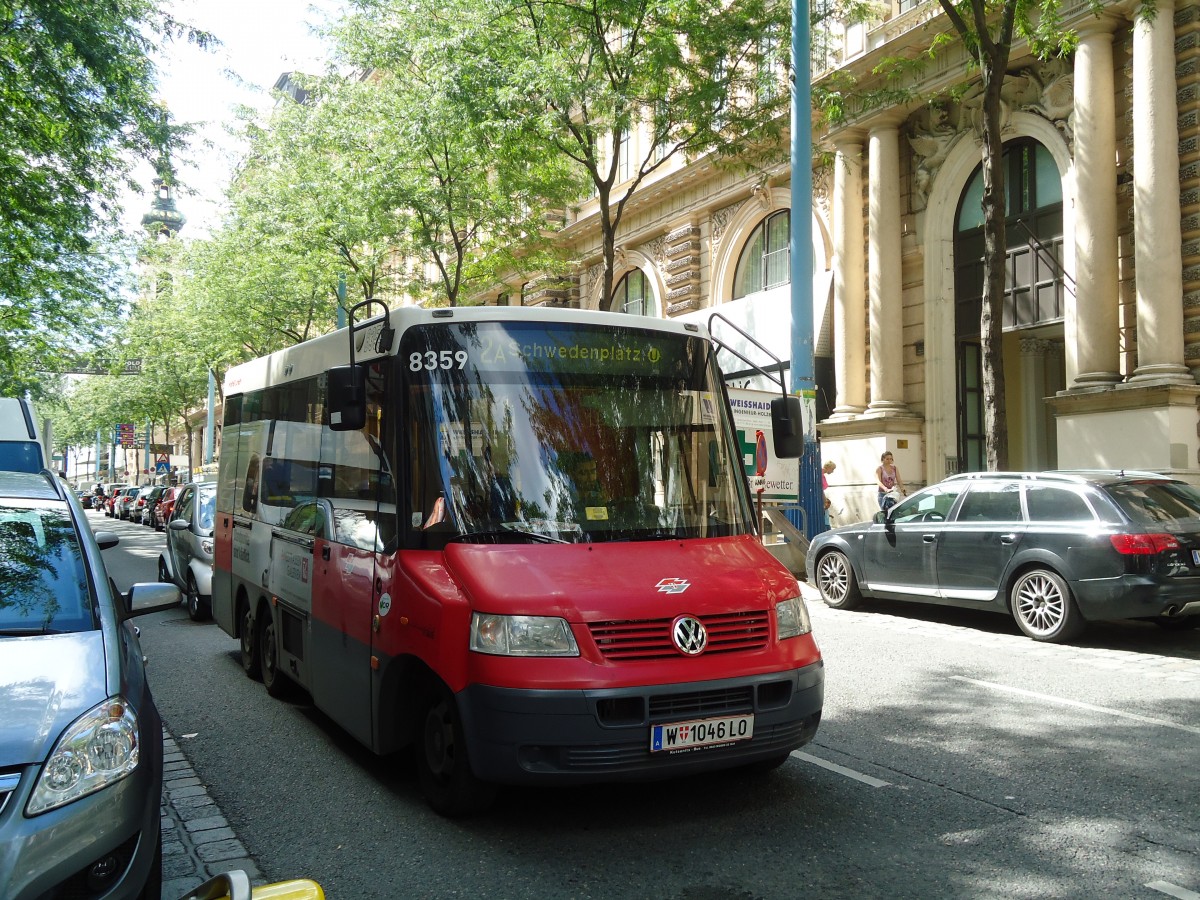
[{"x": 1143, "y": 544}]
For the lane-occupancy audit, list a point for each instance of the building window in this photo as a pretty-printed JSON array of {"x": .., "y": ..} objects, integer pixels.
[
  {"x": 623, "y": 151},
  {"x": 765, "y": 262},
  {"x": 1033, "y": 220},
  {"x": 633, "y": 295}
]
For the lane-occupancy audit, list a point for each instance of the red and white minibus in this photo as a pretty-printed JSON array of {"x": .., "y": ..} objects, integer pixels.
[{"x": 521, "y": 540}]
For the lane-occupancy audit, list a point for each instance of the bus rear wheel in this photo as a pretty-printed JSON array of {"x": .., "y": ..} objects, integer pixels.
[
  {"x": 268, "y": 657},
  {"x": 444, "y": 773},
  {"x": 249, "y": 645}
]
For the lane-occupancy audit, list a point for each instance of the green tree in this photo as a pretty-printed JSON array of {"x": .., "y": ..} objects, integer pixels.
[
  {"x": 77, "y": 89},
  {"x": 693, "y": 78},
  {"x": 578, "y": 77},
  {"x": 987, "y": 29}
]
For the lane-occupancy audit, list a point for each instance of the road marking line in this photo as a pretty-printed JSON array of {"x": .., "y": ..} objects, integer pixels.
[
  {"x": 1062, "y": 702},
  {"x": 1174, "y": 890},
  {"x": 841, "y": 770}
]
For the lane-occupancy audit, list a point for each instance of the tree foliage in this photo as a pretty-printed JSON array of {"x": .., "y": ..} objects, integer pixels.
[
  {"x": 692, "y": 77},
  {"x": 987, "y": 31},
  {"x": 77, "y": 86}
]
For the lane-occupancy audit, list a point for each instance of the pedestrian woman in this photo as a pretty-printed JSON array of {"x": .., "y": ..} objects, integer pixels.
[
  {"x": 826, "y": 471},
  {"x": 889, "y": 482}
]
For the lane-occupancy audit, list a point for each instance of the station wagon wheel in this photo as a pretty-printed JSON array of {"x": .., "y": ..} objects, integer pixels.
[
  {"x": 1043, "y": 606},
  {"x": 250, "y": 662},
  {"x": 443, "y": 770},
  {"x": 836, "y": 581},
  {"x": 199, "y": 606},
  {"x": 268, "y": 654}
]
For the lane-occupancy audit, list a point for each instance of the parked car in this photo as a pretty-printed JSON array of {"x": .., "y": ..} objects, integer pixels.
[
  {"x": 162, "y": 511},
  {"x": 111, "y": 496},
  {"x": 186, "y": 561},
  {"x": 146, "y": 501},
  {"x": 81, "y": 757},
  {"x": 123, "y": 505},
  {"x": 20, "y": 442},
  {"x": 1053, "y": 549}
]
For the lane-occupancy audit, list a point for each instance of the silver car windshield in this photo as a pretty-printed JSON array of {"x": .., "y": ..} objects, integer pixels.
[
  {"x": 568, "y": 433},
  {"x": 43, "y": 583}
]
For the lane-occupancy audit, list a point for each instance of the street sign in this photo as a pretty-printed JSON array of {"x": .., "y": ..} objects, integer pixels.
[
  {"x": 778, "y": 479},
  {"x": 162, "y": 464},
  {"x": 126, "y": 436}
]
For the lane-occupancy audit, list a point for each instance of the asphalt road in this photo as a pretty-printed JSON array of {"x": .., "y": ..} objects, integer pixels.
[{"x": 956, "y": 758}]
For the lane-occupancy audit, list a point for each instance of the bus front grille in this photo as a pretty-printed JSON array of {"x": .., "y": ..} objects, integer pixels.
[{"x": 647, "y": 639}]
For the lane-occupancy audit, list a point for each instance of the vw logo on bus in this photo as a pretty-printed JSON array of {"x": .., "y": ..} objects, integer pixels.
[{"x": 689, "y": 635}]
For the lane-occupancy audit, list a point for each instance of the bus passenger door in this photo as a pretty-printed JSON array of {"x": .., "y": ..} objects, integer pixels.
[
  {"x": 341, "y": 641},
  {"x": 290, "y": 578}
]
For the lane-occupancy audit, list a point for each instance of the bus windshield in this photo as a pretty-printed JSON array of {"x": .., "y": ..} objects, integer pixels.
[{"x": 545, "y": 432}]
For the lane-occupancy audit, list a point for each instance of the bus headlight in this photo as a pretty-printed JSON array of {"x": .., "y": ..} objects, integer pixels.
[
  {"x": 522, "y": 635},
  {"x": 791, "y": 618},
  {"x": 97, "y": 749}
]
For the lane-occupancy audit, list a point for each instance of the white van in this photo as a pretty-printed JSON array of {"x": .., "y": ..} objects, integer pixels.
[{"x": 21, "y": 447}]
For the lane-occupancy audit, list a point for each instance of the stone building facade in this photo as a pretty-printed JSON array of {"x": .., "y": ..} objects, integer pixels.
[{"x": 1102, "y": 314}]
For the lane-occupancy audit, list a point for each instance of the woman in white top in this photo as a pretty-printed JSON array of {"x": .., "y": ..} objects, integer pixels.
[{"x": 887, "y": 479}]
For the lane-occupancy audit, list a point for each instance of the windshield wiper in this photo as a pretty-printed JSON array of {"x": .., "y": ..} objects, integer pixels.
[
  {"x": 635, "y": 535},
  {"x": 506, "y": 536}
]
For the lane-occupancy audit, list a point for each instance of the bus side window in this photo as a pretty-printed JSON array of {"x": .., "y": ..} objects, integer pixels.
[{"x": 250, "y": 494}]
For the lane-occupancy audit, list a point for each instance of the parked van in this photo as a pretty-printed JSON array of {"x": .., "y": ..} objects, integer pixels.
[{"x": 21, "y": 447}]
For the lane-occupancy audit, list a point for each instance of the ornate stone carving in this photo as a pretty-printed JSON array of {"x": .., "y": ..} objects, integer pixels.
[
  {"x": 934, "y": 134},
  {"x": 762, "y": 195},
  {"x": 721, "y": 219}
]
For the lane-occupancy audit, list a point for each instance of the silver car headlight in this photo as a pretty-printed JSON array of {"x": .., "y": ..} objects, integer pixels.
[
  {"x": 97, "y": 749},
  {"x": 791, "y": 618},
  {"x": 522, "y": 635}
]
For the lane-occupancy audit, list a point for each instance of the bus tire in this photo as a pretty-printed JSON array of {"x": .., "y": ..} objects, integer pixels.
[
  {"x": 247, "y": 634},
  {"x": 268, "y": 657},
  {"x": 443, "y": 771}
]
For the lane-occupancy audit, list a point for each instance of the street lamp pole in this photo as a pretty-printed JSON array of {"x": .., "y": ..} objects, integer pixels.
[{"x": 803, "y": 378}]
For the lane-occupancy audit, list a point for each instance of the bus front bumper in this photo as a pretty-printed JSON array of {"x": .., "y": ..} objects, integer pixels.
[{"x": 579, "y": 736}]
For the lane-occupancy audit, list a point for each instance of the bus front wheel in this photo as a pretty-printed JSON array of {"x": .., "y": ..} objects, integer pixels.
[{"x": 443, "y": 770}]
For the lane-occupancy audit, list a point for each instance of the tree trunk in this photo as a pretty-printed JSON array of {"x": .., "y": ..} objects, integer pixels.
[{"x": 995, "y": 243}]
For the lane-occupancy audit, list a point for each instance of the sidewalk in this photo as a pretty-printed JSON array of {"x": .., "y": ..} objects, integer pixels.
[{"x": 197, "y": 842}]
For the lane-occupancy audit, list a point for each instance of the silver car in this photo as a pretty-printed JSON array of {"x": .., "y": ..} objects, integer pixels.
[
  {"x": 186, "y": 561},
  {"x": 81, "y": 755}
]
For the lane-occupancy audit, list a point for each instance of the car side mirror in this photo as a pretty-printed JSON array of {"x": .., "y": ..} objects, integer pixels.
[
  {"x": 150, "y": 596},
  {"x": 880, "y": 518},
  {"x": 787, "y": 427},
  {"x": 346, "y": 397}
]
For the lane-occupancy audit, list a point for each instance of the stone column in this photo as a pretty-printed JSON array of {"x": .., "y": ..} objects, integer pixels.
[
  {"x": 884, "y": 270},
  {"x": 1092, "y": 327},
  {"x": 1158, "y": 255},
  {"x": 849, "y": 317}
]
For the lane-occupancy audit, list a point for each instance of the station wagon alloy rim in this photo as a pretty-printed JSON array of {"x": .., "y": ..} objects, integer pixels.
[{"x": 1040, "y": 603}]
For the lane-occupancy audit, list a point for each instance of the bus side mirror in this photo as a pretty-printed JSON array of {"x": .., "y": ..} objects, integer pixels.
[
  {"x": 787, "y": 426},
  {"x": 346, "y": 397}
]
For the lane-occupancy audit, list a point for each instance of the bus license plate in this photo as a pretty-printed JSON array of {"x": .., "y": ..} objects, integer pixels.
[{"x": 701, "y": 733}]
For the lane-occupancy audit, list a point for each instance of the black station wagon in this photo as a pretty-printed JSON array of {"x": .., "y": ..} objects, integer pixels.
[{"x": 1054, "y": 549}]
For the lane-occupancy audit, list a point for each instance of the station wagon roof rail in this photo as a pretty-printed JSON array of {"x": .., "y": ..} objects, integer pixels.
[{"x": 1073, "y": 476}]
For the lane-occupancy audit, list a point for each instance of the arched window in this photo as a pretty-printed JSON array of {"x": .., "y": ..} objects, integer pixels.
[
  {"x": 1034, "y": 284},
  {"x": 634, "y": 295},
  {"x": 766, "y": 259}
]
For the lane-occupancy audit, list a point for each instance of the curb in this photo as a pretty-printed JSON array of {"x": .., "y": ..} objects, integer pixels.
[{"x": 197, "y": 841}]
